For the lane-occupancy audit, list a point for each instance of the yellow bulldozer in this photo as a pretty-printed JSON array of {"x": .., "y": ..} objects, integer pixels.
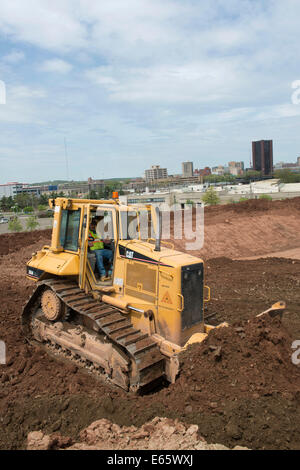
[{"x": 130, "y": 324}]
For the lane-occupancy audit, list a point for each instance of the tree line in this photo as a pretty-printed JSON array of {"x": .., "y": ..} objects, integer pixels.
[{"x": 25, "y": 202}]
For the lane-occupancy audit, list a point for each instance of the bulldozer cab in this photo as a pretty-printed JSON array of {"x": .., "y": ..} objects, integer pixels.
[{"x": 103, "y": 226}]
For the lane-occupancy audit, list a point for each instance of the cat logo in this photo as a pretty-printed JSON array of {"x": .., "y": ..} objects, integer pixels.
[
  {"x": 166, "y": 298},
  {"x": 129, "y": 254}
]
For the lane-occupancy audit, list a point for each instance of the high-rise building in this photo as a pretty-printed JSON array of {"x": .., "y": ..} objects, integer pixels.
[
  {"x": 156, "y": 173},
  {"x": 262, "y": 156},
  {"x": 187, "y": 169}
]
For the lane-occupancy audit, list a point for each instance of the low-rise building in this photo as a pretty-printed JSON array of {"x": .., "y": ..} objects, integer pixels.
[
  {"x": 236, "y": 168},
  {"x": 294, "y": 167},
  {"x": 220, "y": 170},
  {"x": 156, "y": 173},
  {"x": 10, "y": 189},
  {"x": 202, "y": 172}
]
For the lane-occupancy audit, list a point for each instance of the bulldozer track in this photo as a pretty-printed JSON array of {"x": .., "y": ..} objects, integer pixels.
[{"x": 139, "y": 360}]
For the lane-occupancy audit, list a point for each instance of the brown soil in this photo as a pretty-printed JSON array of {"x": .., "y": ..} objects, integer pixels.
[
  {"x": 11, "y": 242},
  {"x": 242, "y": 289},
  {"x": 239, "y": 387},
  {"x": 250, "y": 228}
]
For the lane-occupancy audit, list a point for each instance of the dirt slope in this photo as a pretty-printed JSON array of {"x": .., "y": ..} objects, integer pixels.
[
  {"x": 12, "y": 242},
  {"x": 250, "y": 228}
]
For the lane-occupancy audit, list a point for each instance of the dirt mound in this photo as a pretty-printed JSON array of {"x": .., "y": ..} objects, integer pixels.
[
  {"x": 239, "y": 387},
  {"x": 252, "y": 206},
  {"x": 242, "y": 289},
  {"x": 158, "y": 434},
  {"x": 247, "y": 359},
  {"x": 246, "y": 229},
  {"x": 11, "y": 242}
]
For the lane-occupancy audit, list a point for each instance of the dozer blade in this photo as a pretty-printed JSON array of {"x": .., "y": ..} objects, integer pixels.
[{"x": 276, "y": 309}]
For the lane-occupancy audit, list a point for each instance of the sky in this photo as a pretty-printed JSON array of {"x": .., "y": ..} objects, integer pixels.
[{"x": 130, "y": 84}]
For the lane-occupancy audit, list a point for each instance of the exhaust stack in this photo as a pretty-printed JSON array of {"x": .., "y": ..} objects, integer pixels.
[{"x": 158, "y": 229}]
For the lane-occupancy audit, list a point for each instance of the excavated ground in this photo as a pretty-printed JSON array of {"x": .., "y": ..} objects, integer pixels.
[
  {"x": 240, "y": 386},
  {"x": 250, "y": 228},
  {"x": 157, "y": 434}
]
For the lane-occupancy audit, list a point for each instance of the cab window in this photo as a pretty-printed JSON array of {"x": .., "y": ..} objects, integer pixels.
[
  {"x": 104, "y": 223},
  {"x": 134, "y": 224},
  {"x": 129, "y": 224},
  {"x": 69, "y": 229}
]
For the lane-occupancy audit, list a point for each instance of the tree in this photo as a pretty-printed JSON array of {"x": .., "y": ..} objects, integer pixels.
[
  {"x": 220, "y": 178},
  {"x": 252, "y": 175},
  {"x": 43, "y": 199},
  {"x": 93, "y": 194},
  {"x": 23, "y": 200},
  {"x": 32, "y": 223},
  {"x": 28, "y": 209},
  {"x": 287, "y": 176},
  {"x": 6, "y": 203},
  {"x": 211, "y": 197},
  {"x": 16, "y": 208},
  {"x": 189, "y": 202},
  {"x": 15, "y": 225}
]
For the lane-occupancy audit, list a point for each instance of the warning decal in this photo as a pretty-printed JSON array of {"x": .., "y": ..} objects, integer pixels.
[{"x": 167, "y": 298}]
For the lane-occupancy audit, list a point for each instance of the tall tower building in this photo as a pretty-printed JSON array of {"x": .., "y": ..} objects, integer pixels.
[
  {"x": 262, "y": 156},
  {"x": 187, "y": 169}
]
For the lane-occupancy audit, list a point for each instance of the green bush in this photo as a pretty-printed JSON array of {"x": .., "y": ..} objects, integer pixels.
[
  {"x": 287, "y": 176},
  {"x": 265, "y": 196},
  {"x": 14, "y": 225},
  {"x": 189, "y": 202},
  {"x": 211, "y": 197},
  {"x": 243, "y": 199},
  {"x": 45, "y": 215},
  {"x": 28, "y": 209},
  {"x": 32, "y": 223}
]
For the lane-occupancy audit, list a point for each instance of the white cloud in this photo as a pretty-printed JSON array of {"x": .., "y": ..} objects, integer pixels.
[
  {"x": 14, "y": 57},
  {"x": 169, "y": 78},
  {"x": 19, "y": 92},
  {"x": 56, "y": 66},
  {"x": 51, "y": 25},
  {"x": 201, "y": 81}
]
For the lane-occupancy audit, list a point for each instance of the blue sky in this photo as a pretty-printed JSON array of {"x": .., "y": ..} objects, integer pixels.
[{"x": 134, "y": 83}]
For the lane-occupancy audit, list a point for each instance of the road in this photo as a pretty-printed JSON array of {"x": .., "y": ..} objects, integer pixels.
[{"x": 43, "y": 224}]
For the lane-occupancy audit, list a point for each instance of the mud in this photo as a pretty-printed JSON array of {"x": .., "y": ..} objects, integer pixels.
[{"x": 240, "y": 386}]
